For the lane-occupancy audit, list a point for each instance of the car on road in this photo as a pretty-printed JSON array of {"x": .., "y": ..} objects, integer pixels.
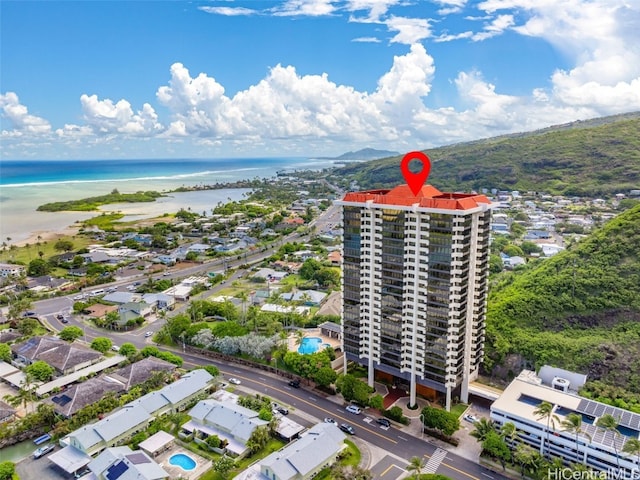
[
  {"x": 330, "y": 420},
  {"x": 64, "y": 320},
  {"x": 347, "y": 428},
  {"x": 42, "y": 451},
  {"x": 354, "y": 409},
  {"x": 148, "y": 334},
  {"x": 59, "y": 316},
  {"x": 29, "y": 314},
  {"x": 470, "y": 418},
  {"x": 294, "y": 383},
  {"x": 234, "y": 380},
  {"x": 166, "y": 274},
  {"x": 384, "y": 422},
  {"x": 282, "y": 410},
  {"x": 115, "y": 348}
]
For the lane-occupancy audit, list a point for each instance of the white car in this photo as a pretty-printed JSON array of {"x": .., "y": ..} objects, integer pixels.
[
  {"x": 234, "y": 380},
  {"x": 470, "y": 418},
  {"x": 148, "y": 334},
  {"x": 354, "y": 409}
]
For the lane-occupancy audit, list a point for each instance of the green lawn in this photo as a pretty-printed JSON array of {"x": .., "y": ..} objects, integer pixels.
[
  {"x": 459, "y": 408},
  {"x": 26, "y": 254}
]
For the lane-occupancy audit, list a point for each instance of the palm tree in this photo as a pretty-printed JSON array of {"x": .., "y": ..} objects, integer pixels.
[
  {"x": 416, "y": 465},
  {"x": 632, "y": 447},
  {"x": 573, "y": 424},
  {"x": 299, "y": 336},
  {"x": 545, "y": 410},
  {"x": 483, "y": 427},
  {"x": 508, "y": 431},
  {"x": 609, "y": 424}
]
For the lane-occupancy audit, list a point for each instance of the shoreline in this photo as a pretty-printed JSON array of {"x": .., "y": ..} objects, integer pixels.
[{"x": 48, "y": 235}]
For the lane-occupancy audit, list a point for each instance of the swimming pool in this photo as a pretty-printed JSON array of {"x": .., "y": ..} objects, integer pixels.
[
  {"x": 309, "y": 345},
  {"x": 183, "y": 461}
]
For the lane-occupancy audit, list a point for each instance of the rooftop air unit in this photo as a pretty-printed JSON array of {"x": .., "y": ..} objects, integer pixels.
[{"x": 561, "y": 384}]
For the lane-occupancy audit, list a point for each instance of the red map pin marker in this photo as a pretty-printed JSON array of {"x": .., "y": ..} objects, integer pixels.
[{"x": 415, "y": 180}]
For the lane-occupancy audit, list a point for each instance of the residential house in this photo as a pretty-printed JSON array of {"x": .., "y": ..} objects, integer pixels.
[
  {"x": 303, "y": 459},
  {"x": 135, "y": 416},
  {"x": 122, "y": 297},
  {"x": 96, "y": 257},
  {"x": 7, "y": 413},
  {"x": 98, "y": 310},
  {"x": 161, "y": 301},
  {"x": 11, "y": 270},
  {"x": 310, "y": 298},
  {"x": 303, "y": 255},
  {"x": 65, "y": 357},
  {"x": 133, "y": 310},
  {"x": 335, "y": 257},
  {"x": 229, "y": 421},
  {"x": 141, "y": 371},
  {"x": 122, "y": 463},
  {"x": 78, "y": 396},
  {"x": 46, "y": 283}
]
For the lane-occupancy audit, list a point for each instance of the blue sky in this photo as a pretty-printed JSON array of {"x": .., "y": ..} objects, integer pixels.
[{"x": 174, "y": 79}]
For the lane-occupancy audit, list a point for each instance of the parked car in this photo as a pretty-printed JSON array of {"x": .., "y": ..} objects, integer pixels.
[
  {"x": 82, "y": 473},
  {"x": 283, "y": 410},
  {"x": 330, "y": 420},
  {"x": 59, "y": 316},
  {"x": 347, "y": 428},
  {"x": 42, "y": 451},
  {"x": 384, "y": 422},
  {"x": 470, "y": 418},
  {"x": 234, "y": 380},
  {"x": 148, "y": 334},
  {"x": 294, "y": 383},
  {"x": 115, "y": 348},
  {"x": 29, "y": 314},
  {"x": 64, "y": 320},
  {"x": 354, "y": 409}
]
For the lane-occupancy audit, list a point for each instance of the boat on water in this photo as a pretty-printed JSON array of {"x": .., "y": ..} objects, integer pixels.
[{"x": 43, "y": 438}]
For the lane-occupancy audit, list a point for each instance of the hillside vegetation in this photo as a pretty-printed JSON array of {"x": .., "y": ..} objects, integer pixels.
[
  {"x": 579, "y": 309},
  {"x": 593, "y": 158}
]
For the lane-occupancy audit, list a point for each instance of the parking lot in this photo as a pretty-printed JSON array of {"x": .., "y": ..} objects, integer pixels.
[{"x": 41, "y": 468}]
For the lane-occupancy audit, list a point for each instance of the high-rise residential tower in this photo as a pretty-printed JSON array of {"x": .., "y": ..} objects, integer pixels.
[{"x": 415, "y": 287}]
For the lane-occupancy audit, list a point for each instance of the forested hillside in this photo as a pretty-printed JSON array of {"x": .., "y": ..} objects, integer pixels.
[
  {"x": 593, "y": 158},
  {"x": 579, "y": 309}
]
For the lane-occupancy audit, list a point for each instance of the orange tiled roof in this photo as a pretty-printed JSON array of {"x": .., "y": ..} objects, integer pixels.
[{"x": 428, "y": 197}]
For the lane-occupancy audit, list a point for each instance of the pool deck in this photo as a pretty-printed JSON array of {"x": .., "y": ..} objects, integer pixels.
[
  {"x": 174, "y": 471},
  {"x": 311, "y": 332}
]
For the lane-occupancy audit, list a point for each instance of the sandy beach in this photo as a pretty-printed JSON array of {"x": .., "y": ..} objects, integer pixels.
[{"x": 21, "y": 223}]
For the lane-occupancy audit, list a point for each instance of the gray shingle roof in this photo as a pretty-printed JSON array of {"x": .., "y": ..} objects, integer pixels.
[
  {"x": 304, "y": 455},
  {"x": 82, "y": 394},
  {"x": 57, "y": 353}
]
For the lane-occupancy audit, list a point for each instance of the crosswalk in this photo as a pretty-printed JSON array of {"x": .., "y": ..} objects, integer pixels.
[{"x": 435, "y": 461}]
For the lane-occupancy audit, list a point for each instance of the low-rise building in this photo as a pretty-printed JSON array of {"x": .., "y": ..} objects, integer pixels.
[
  {"x": 229, "y": 421},
  {"x": 135, "y": 416},
  {"x": 11, "y": 270},
  {"x": 65, "y": 357},
  {"x": 122, "y": 463},
  {"x": 303, "y": 459},
  {"x": 595, "y": 447}
]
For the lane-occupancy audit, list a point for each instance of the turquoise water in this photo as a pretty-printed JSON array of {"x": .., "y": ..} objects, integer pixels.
[
  {"x": 183, "y": 461},
  {"x": 309, "y": 345}
]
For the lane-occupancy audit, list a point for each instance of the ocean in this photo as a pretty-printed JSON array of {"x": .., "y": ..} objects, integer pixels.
[{"x": 25, "y": 185}]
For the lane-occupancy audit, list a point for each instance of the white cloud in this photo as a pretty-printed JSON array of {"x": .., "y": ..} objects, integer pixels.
[
  {"x": 410, "y": 30},
  {"x": 229, "y": 11},
  {"x": 21, "y": 120},
  {"x": 105, "y": 117},
  {"x": 495, "y": 27},
  {"x": 376, "y": 9},
  {"x": 310, "y": 8},
  {"x": 366, "y": 40}
]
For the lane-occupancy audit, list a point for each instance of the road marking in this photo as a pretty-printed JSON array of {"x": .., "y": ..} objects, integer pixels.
[
  {"x": 403, "y": 438},
  {"x": 389, "y": 468},
  {"x": 263, "y": 379},
  {"x": 487, "y": 475},
  {"x": 436, "y": 459},
  {"x": 460, "y": 471},
  {"x": 313, "y": 399},
  {"x": 367, "y": 419}
]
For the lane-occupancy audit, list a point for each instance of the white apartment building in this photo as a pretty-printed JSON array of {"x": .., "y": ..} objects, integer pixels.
[
  {"x": 597, "y": 448},
  {"x": 414, "y": 287}
]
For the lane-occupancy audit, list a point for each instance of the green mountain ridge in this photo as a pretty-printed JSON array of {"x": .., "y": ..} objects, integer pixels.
[
  {"x": 598, "y": 157},
  {"x": 579, "y": 309}
]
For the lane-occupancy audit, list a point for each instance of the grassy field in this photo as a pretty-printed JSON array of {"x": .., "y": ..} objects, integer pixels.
[{"x": 30, "y": 252}]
